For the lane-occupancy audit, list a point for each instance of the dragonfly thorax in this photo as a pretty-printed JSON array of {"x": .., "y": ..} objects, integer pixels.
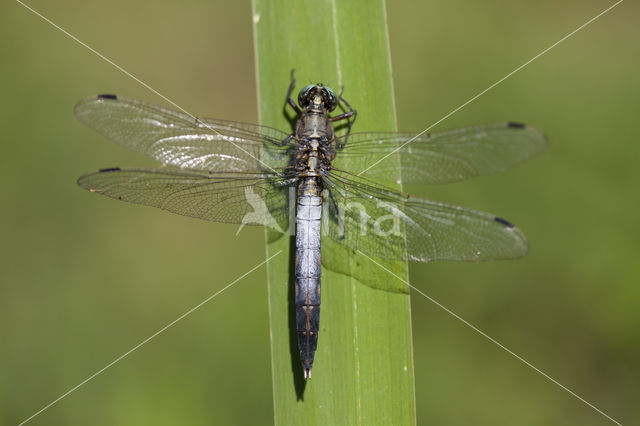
[
  {"x": 314, "y": 158},
  {"x": 316, "y": 142}
]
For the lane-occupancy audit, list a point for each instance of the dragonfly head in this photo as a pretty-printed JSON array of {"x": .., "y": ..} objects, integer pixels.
[{"x": 316, "y": 95}]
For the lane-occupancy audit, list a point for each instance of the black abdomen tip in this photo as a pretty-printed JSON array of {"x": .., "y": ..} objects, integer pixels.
[
  {"x": 515, "y": 125},
  {"x": 109, "y": 169},
  {"x": 107, "y": 96},
  {"x": 504, "y": 222}
]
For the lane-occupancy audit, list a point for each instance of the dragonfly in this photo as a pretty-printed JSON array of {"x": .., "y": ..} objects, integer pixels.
[{"x": 249, "y": 174}]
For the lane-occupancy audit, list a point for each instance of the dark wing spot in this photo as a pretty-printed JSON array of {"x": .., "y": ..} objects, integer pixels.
[
  {"x": 114, "y": 97},
  {"x": 110, "y": 169},
  {"x": 516, "y": 125},
  {"x": 504, "y": 222}
]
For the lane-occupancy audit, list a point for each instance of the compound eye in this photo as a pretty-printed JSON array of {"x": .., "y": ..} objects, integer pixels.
[
  {"x": 331, "y": 98},
  {"x": 303, "y": 96}
]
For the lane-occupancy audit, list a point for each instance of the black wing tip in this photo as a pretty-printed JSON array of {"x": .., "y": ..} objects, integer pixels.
[
  {"x": 79, "y": 108},
  {"x": 523, "y": 126},
  {"x": 82, "y": 179},
  {"x": 504, "y": 222},
  {"x": 108, "y": 96}
]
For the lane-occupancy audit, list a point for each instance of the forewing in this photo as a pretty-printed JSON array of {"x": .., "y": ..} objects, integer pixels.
[
  {"x": 442, "y": 157},
  {"x": 180, "y": 140},
  {"x": 381, "y": 222},
  {"x": 242, "y": 198}
]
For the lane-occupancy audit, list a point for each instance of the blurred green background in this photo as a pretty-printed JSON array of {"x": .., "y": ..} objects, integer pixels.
[{"x": 83, "y": 278}]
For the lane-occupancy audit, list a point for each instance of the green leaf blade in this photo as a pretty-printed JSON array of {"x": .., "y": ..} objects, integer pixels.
[{"x": 363, "y": 370}]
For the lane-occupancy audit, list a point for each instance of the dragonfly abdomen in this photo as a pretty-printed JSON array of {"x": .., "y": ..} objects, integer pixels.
[{"x": 307, "y": 270}]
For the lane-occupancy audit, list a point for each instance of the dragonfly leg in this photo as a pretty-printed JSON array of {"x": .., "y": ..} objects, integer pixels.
[
  {"x": 288, "y": 99},
  {"x": 288, "y": 171},
  {"x": 351, "y": 113},
  {"x": 286, "y": 140}
]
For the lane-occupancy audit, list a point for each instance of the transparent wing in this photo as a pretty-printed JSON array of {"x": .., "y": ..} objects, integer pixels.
[
  {"x": 177, "y": 139},
  {"x": 379, "y": 221},
  {"x": 443, "y": 157},
  {"x": 244, "y": 198}
]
